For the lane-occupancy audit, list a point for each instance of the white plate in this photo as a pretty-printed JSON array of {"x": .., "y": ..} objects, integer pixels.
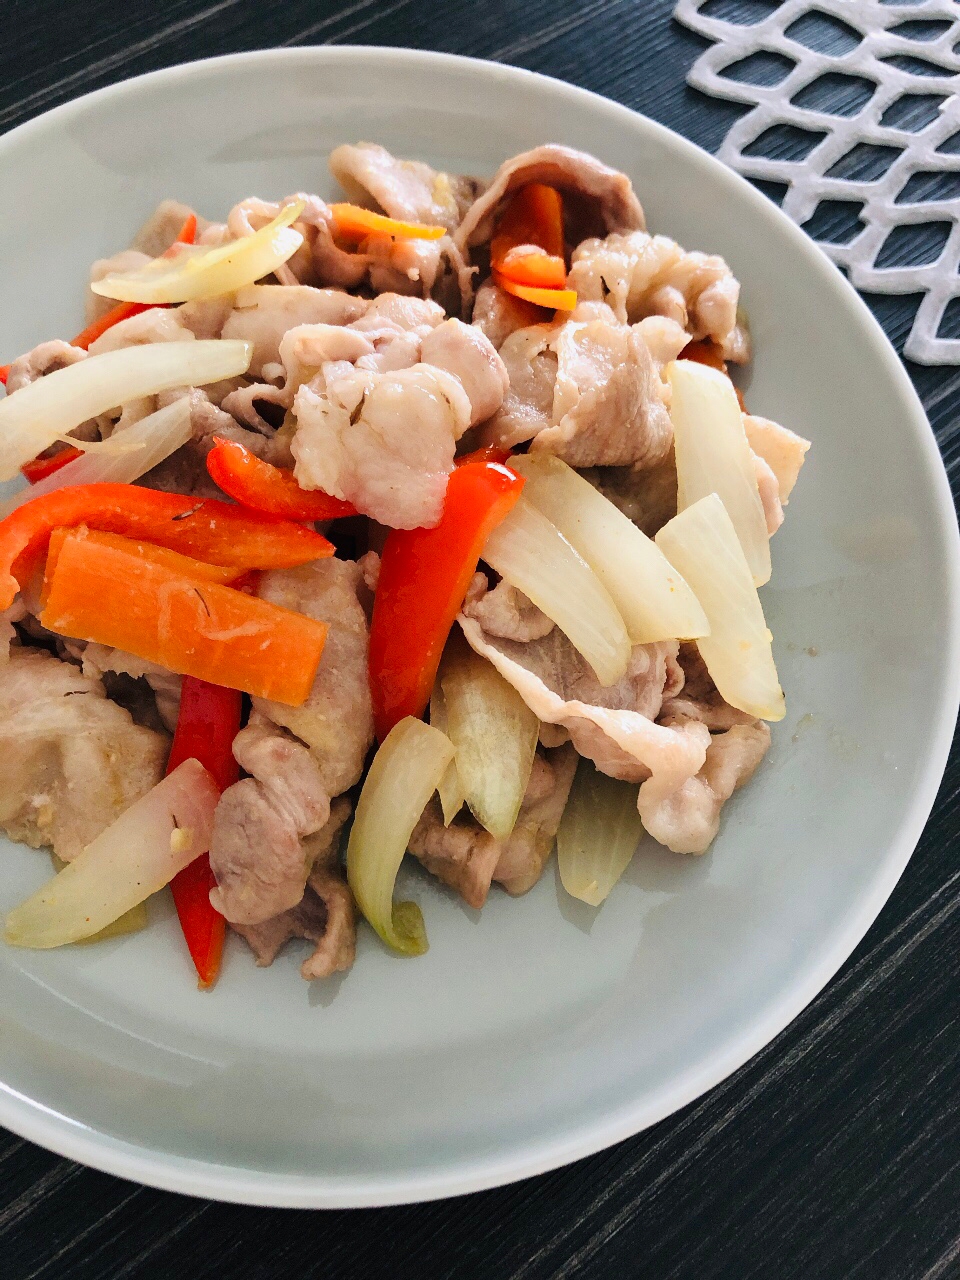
[{"x": 541, "y": 1030}]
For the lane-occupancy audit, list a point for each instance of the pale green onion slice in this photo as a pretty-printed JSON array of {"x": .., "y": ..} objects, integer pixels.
[
  {"x": 534, "y": 556},
  {"x": 32, "y": 418},
  {"x": 159, "y": 835},
  {"x": 150, "y": 441},
  {"x": 451, "y": 792},
  {"x": 702, "y": 544},
  {"x": 599, "y": 833},
  {"x": 191, "y": 272},
  {"x": 494, "y": 734},
  {"x": 652, "y": 598},
  {"x": 404, "y": 775},
  {"x": 713, "y": 456}
]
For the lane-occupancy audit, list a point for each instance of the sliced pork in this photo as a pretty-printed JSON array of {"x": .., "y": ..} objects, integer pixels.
[
  {"x": 405, "y": 189},
  {"x": 505, "y": 612},
  {"x": 71, "y": 760},
  {"x": 255, "y": 850},
  {"x": 43, "y": 359},
  {"x": 641, "y": 275}
]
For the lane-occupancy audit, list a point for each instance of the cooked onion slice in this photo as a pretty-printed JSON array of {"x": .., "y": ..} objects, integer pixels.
[
  {"x": 713, "y": 456},
  {"x": 404, "y": 775},
  {"x": 450, "y": 790},
  {"x": 599, "y": 833},
  {"x": 702, "y": 543},
  {"x": 191, "y": 272},
  {"x": 150, "y": 441},
  {"x": 494, "y": 734},
  {"x": 138, "y": 854},
  {"x": 34, "y": 417},
  {"x": 653, "y": 599},
  {"x": 534, "y": 556}
]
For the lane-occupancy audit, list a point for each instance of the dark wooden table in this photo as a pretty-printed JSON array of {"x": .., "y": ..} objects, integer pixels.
[{"x": 835, "y": 1153}]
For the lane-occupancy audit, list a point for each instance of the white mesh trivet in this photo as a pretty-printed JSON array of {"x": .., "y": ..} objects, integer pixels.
[{"x": 806, "y": 179}]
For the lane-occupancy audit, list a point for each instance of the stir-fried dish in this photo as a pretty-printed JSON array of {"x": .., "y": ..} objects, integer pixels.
[{"x": 431, "y": 516}]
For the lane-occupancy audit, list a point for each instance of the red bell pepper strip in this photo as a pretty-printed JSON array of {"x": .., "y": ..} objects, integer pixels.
[
  {"x": 262, "y": 487},
  {"x": 424, "y": 575},
  {"x": 210, "y": 530},
  {"x": 42, "y": 467},
  {"x": 208, "y": 722},
  {"x": 188, "y": 232},
  {"x": 4, "y": 373}
]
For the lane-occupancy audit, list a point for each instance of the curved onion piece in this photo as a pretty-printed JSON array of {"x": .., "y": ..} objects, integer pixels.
[
  {"x": 39, "y": 414},
  {"x": 702, "y": 543},
  {"x": 451, "y": 792},
  {"x": 599, "y": 833},
  {"x": 193, "y": 272},
  {"x": 534, "y": 556},
  {"x": 653, "y": 599},
  {"x": 494, "y": 734},
  {"x": 404, "y": 775},
  {"x": 138, "y": 854},
  {"x": 151, "y": 440},
  {"x": 713, "y": 456}
]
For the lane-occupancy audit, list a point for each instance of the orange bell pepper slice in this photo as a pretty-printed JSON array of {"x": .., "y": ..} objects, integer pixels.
[
  {"x": 424, "y": 575},
  {"x": 557, "y": 299},
  {"x": 357, "y": 223},
  {"x": 109, "y": 595},
  {"x": 210, "y": 530},
  {"x": 263, "y": 487}
]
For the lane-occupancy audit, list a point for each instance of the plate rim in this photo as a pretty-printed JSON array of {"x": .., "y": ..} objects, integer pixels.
[{"x": 97, "y": 1149}]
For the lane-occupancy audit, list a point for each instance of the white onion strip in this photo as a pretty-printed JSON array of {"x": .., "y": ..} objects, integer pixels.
[
  {"x": 193, "y": 272},
  {"x": 598, "y": 836},
  {"x": 137, "y": 855},
  {"x": 405, "y": 773},
  {"x": 150, "y": 441},
  {"x": 494, "y": 734},
  {"x": 702, "y": 543},
  {"x": 534, "y": 556},
  {"x": 37, "y": 415},
  {"x": 450, "y": 789},
  {"x": 652, "y": 598},
  {"x": 713, "y": 456}
]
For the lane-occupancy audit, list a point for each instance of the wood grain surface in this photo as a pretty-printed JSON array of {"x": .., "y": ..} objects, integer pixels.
[{"x": 835, "y": 1153}]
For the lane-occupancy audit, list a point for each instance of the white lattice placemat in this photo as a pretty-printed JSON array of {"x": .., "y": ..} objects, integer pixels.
[{"x": 910, "y": 52}]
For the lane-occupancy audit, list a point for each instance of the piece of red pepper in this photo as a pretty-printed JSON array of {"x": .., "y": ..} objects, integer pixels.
[
  {"x": 263, "y": 487},
  {"x": 210, "y": 530},
  {"x": 42, "y": 467},
  {"x": 424, "y": 575},
  {"x": 207, "y": 724}
]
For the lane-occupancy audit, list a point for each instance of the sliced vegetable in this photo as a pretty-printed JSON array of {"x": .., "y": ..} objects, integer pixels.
[
  {"x": 713, "y": 456},
  {"x": 494, "y": 734},
  {"x": 404, "y": 775},
  {"x": 150, "y": 441},
  {"x": 599, "y": 833},
  {"x": 4, "y": 373},
  {"x": 263, "y": 487},
  {"x": 97, "y": 328},
  {"x": 114, "y": 597},
  {"x": 55, "y": 405},
  {"x": 133, "y": 921},
  {"x": 206, "y": 530},
  {"x": 702, "y": 543},
  {"x": 450, "y": 790},
  {"x": 558, "y": 299},
  {"x": 207, "y": 723},
  {"x": 136, "y": 855},
  {"x": 527, "y": 247},
  {"x": 188, "y": 232},
  {"x": 424, "y": 575},
  {"x": 534, "y": 556},
  {"x": 40, "y": 468},
  {"x": 208, "y": 272},
  {"x": 197, "y": 570},
  {"x": 707, "y": 352},
  {"x": 653, "y": 599},
  {"x": 356, "y": 223}
]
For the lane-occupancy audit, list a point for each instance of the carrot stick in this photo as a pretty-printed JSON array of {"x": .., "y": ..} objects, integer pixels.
[
  {"x": 105, "y": 594},
  {"x": 357, "y": 223}
]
